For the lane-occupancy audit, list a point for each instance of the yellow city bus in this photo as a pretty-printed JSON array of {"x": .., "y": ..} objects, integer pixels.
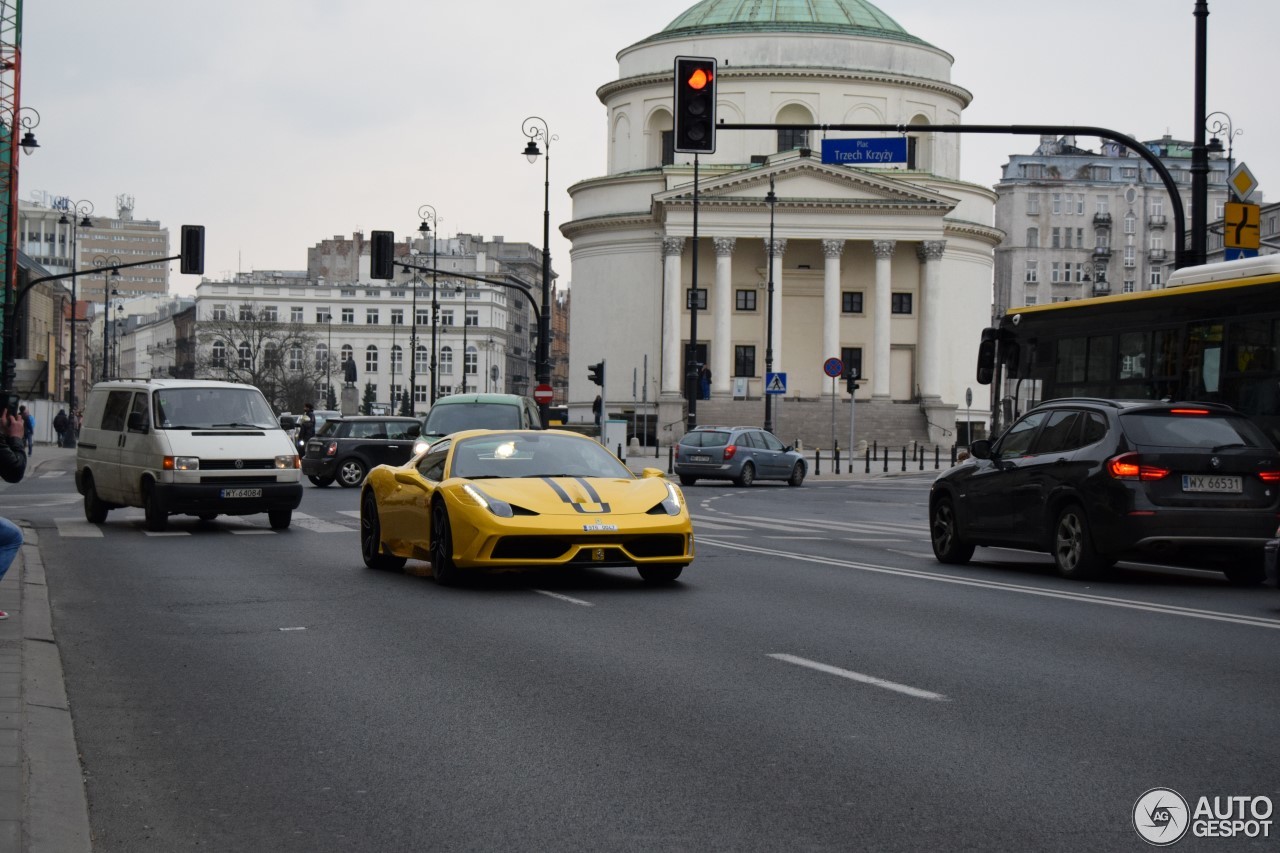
[{"x": 1212, "y": 334}]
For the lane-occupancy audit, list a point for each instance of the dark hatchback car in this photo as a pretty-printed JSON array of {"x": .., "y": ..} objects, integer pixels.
[
  {"x": 347, "y": 447},
  {"x": 743, "y": 454},
  {"x": 1093, "y": 481}
]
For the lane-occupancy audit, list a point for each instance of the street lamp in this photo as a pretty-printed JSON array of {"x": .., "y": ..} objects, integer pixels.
[
  {"x": 772, "y": 200},
  {"x": 428, "y": 214},
  {"x": 330, "y": 402},
  {"x": 531, "y": 129},
  {"x": 80, "y": 211},
  {"x": 106, "y": 263},
  {"x": 28, "y": 118},
  {"x": 1224, "y": 127}
]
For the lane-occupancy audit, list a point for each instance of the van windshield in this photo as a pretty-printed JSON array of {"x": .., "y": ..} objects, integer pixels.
[
  {"x": 209, "y": 408},
  {"x": 442, "y": 420}
]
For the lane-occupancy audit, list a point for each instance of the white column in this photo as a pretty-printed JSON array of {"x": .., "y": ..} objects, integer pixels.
[
  {"x": 880, "y": 387},
  {"x": 775, "y": 275},
  {"x": 722, "y": 340},
  {"x": 930, "y": 332},
  {"x": 831, "y": 250},
  {"x": 672, "y": 293}
]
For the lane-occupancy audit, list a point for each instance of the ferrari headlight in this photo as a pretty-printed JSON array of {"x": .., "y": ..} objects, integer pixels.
[
  {"x": 502, "y": 509},
  {"x": 673, "y": 500}
]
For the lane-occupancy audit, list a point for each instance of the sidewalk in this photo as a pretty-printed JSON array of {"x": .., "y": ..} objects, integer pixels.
[{"x": 43, "y": 807}]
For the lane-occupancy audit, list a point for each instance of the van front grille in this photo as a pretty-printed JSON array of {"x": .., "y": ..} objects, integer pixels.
[{"x": 230, "y": 464}]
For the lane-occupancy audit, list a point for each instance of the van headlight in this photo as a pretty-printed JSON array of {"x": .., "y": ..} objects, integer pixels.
[
  {"x": 182, "y": 463},
  {"x": 287, "y": 461}
]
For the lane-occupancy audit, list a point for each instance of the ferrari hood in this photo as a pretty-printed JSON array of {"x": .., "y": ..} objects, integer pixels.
[{"x": 577, "y": 495}]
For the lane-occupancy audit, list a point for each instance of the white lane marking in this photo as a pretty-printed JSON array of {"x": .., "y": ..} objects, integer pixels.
[
  {"x": 863, "y": 679},
  {"x": 47, "y": 474},
  {"x": 252, "y": 531},
  {"x": 166, "y": 533},
  {"x": 293, "y": 629},
  {"x": 578, "y": 601},
  {"x": 1081, "y": 597},
  {"x": 318, "y": 525},
  {"x": 77, "y": 528},
  {"x": 807, "y": 538},
  {"x": 716, "y": 525},
  {"x": 875, "y": 539},
  {"x": 929, "y": 556},
  {"x": 354, "y": 513}
]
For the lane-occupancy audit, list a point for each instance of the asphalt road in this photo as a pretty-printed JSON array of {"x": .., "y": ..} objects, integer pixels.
[{"x": 816, "y": 681}]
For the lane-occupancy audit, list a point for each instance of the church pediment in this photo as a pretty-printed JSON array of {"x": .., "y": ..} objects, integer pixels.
[{"x": 802, "y": 181}]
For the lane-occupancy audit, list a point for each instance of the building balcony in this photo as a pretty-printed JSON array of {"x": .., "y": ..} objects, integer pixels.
[
  {"x": 1102, "y": 219},
  {"x": 1101, "y": 288},
  {"x": 1156, "y": 254},
  {"x": 1102, "y": 251},
  {"x": 1157, "y": 221}
]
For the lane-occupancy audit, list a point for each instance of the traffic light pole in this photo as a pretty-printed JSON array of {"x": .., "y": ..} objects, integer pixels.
[{"x": 691, "y": 383}]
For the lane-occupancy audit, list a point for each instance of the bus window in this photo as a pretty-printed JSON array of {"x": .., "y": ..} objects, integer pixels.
[
  {"x": 1133, "y": 355},
  {"x": 1204, "y": 360},
  {"x": 1071, "y": 360},
  {"x": 1100, "y": 371}
]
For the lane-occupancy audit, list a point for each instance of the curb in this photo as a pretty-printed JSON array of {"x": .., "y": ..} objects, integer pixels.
[{"x": 55, "y": 811}]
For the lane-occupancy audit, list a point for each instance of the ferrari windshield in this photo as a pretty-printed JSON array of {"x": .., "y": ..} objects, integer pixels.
[
  {"x": 534, "y": 454},
  {"x": 213, "y": 407}
]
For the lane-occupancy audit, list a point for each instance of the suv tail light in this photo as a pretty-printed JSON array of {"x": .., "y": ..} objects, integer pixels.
[
  {"x": 1128, "y": 466},
  {"x": 1269, "y": 476},
  {"x": 729, "y": 451},
  {"x": 331, "y": 449}
]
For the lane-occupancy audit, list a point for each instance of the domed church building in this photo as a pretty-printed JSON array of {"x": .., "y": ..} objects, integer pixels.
[{"x": 886, "y": 266}]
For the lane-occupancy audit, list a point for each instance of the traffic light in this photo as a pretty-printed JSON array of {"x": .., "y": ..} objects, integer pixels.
[
  {"x": 695, "y": 105},
  {"x": 851, "y": 383},
  {"x": 192, "y": 251},
  {"x": 381, "y": 254},
  {"x": 595, "y": 372}
]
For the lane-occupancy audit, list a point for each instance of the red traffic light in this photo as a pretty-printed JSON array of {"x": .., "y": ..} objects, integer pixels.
[{"x": 699, "y": 79}]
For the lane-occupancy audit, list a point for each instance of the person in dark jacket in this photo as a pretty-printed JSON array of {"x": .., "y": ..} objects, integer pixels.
[
  {"x": 60, "y": 424},
  {"x": 306, "y": 424}
]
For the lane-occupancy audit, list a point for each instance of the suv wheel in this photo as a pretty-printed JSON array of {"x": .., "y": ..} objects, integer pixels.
[
  {"x": 1073, "y": 551},
  {"x": 944, "y": 532}
]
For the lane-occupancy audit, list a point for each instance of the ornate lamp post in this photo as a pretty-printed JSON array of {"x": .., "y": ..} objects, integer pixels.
[
  {"x": 536, "y": 129},
  {"x": 80, "y": 212},
  {"x": 429, "y": 217},
  {"x": 107, "y": 264},
  {"x": 14, "y": 118},
  {"x": 1222, "y": 126}
]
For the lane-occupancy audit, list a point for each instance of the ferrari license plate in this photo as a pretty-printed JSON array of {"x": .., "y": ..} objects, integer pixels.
[
  {"x": 1210, "y": 483},
  {"x": 242, "y": 493}
]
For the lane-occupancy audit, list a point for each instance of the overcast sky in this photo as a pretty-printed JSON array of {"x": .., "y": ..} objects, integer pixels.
[{"x": 280, "y": 123}]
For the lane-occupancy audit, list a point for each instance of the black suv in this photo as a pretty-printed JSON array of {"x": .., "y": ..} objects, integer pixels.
[
  {"x": 1091, "y": 481},
  {"x": 347, "y": 447}
]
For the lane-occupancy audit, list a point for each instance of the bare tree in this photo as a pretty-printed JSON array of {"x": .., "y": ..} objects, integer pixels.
[{"x": 254, "y": 347}]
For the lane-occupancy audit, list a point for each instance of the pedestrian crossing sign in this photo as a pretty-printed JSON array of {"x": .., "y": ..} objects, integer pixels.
[{"x": 775, "y": 383}]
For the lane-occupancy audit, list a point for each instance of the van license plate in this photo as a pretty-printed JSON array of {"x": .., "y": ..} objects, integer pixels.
[
  {"x": 242, "y": 493},
  {"x": 1210, "y": 483}
]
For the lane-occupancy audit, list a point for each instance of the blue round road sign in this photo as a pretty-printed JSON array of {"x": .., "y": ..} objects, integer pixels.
[{"x": 833, "y": 367}]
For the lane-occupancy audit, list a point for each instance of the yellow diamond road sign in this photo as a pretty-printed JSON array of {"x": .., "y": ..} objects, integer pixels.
[{"x": 1242, "y": 182}]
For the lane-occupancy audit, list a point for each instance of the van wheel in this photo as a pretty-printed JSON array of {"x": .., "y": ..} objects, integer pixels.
[
  {"x": 279, "y": 518},
  {"x": 95, "y": 511},
  {"x": 350, "y": 473},
  {"x": 157, "y": 518}
]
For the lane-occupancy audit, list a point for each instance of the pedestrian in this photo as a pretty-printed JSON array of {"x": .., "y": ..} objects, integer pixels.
[
  {"x": 28, "y": 429},
  {"x": 12, "y": 467},
  {"x": 306, "y": 425},
  {"x": 60, "y": 424},
  {"x": 704, "y": 382}
]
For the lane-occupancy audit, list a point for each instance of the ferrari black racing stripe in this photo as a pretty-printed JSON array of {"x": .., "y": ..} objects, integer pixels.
[{"x": 564, "y": 496}]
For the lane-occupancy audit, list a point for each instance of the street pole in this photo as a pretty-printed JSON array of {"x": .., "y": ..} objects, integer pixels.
[
  {"x": 691, "y": 379},
  {"x": 771, "y": 199},
  {"x": 80, "y": 212},
  {"x": 1199, "y": 156},
  {"x": 430, "y": 226}
]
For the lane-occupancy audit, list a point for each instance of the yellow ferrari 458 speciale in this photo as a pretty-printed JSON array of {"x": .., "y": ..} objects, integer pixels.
[{"x": 505, "y": 499}]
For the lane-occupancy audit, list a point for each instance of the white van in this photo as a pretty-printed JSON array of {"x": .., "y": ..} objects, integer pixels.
[{"x": 185, "y": 446}]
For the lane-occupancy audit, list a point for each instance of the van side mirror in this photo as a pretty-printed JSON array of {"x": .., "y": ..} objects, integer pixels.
[{"x": 138, "y": 422}]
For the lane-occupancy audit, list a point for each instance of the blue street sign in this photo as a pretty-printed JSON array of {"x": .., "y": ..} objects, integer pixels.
[
  {"x": 775, "y": 383},
  {"x": 1229, "y": 254},
  {"x": 864, "y": 152}
]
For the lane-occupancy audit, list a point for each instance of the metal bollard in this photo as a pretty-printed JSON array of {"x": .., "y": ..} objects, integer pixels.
[
  {"x": 817, "y": 461},
  {"x": 953, "y": 455},
  {"x": 835, "y": 460},
  {"x": 620, "y": 453},
  {"x": 867, "y": 470},
  {"x": 886, "y": 458},
  {"x": 904, "y": 457},
  {"x": 671, "y": 467},
  {"x": 875, "y": 448},
  {"x": 936, "y": 457},
  {"x": 922, "y": 458}
]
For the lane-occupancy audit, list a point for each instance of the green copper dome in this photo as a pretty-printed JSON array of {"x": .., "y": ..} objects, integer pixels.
[{"x": 845, "y": 17}]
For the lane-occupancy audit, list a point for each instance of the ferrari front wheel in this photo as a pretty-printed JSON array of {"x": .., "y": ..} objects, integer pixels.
[
  {"x": 371, "y": 538},
  {"x": 443, "y": 569},
  {"x": 660, "y": 574}
]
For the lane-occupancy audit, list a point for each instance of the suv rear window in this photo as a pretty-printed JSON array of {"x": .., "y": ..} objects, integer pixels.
[
  {"x": 705, "y": 438},
  {"x": 1168, "y": 429}
]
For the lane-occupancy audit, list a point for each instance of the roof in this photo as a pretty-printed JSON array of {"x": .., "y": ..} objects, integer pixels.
[
  {"x": 847, "y": 17},
  {"x": 469, "y": 397}
]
